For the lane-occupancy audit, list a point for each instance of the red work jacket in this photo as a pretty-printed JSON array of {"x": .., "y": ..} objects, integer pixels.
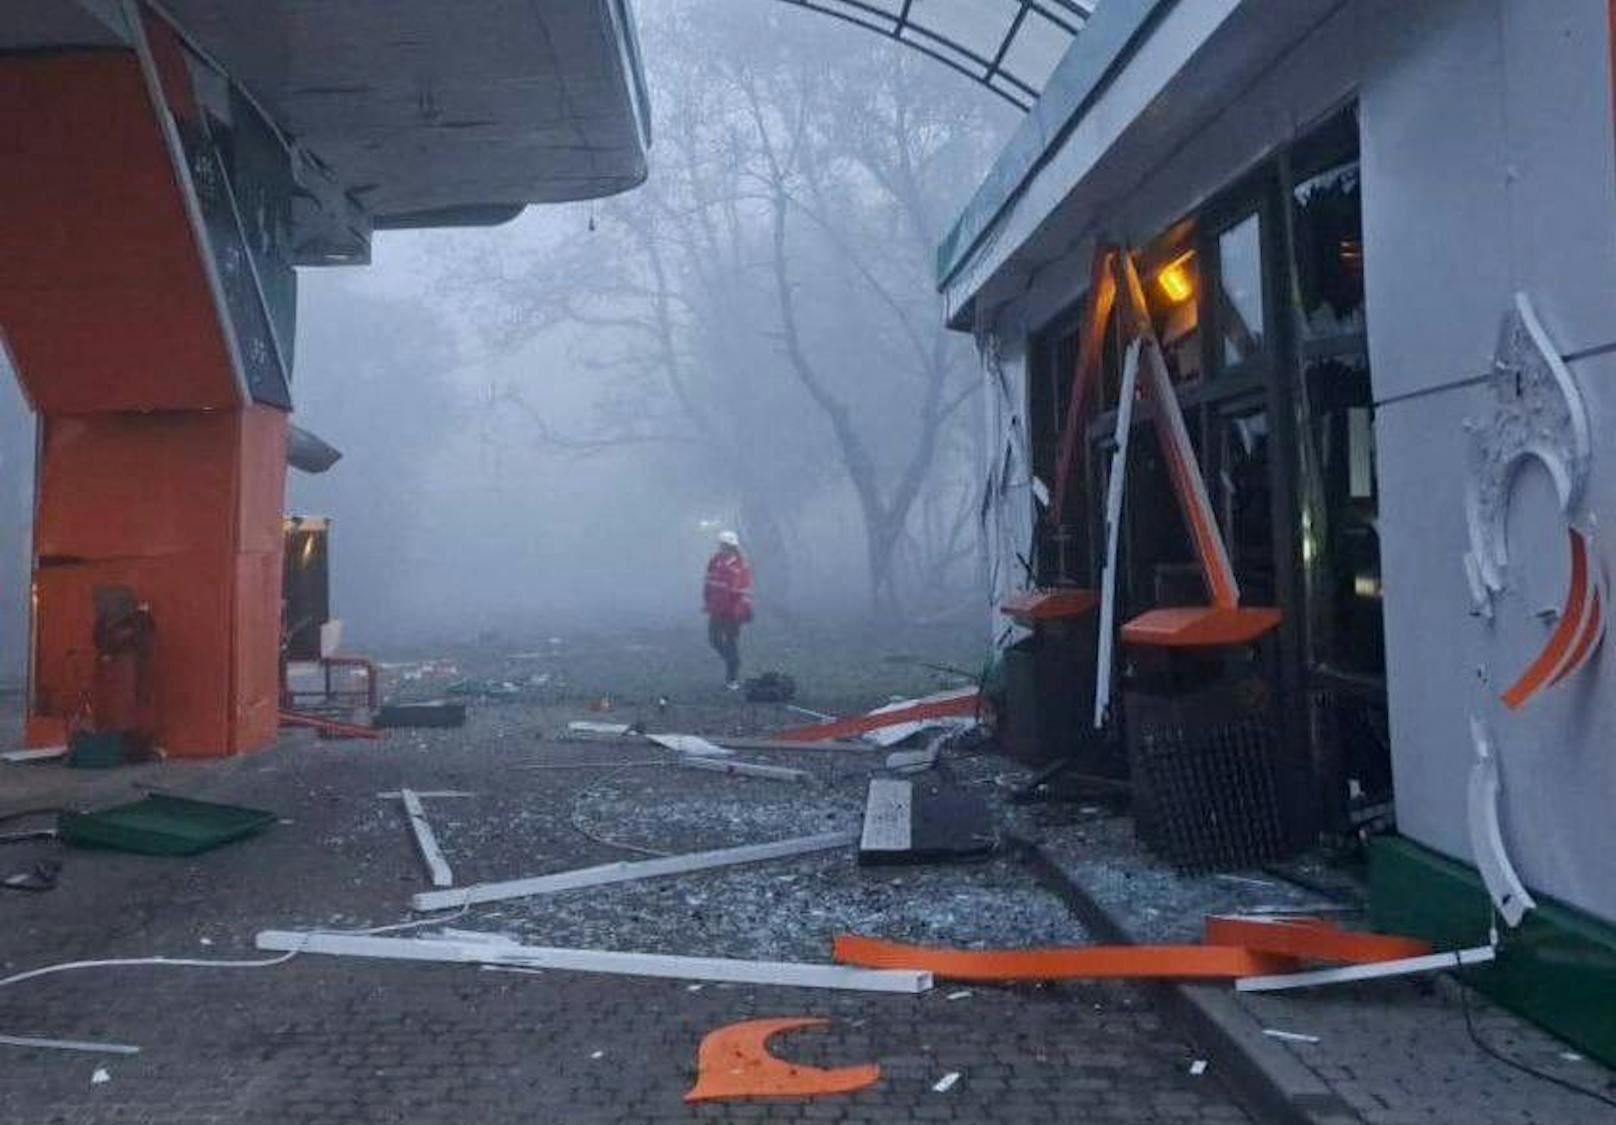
[{"x": 728, "y": 581}]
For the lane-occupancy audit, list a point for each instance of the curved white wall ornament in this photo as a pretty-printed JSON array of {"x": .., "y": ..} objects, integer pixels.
[
  {"x": 1504, "y": 886},
  {"x": 1538, "y": 413}
]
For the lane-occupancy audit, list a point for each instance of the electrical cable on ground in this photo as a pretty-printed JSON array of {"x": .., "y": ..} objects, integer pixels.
[
  {"x": 1494, "y": 1053},
  {"x": 575, "y": 813}
]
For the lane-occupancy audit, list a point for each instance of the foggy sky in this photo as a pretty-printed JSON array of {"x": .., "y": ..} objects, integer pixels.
[{"x": 451, "y": 516}]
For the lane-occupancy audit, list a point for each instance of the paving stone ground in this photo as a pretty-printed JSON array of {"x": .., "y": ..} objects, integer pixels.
[
  {"x": 329, "y": 1040},
  {"x": 1394, "y": 1052}
]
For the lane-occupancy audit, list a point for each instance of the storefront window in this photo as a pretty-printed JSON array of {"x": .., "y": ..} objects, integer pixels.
[
  {"x": 1240, "y": 305},
  {"x": 1247, "y": 499},
  {"x": 1341, "y": 524},
  {"x": 1329, "y": 253}
]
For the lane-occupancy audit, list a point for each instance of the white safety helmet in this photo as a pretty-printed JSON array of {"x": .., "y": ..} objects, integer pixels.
[{"x": 729, "y": 539}]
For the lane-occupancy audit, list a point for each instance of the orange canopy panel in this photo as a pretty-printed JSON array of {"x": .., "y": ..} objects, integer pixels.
[
  {"x": 1311, "y": 939},
  {"x": 950, "y": 706},
  {"x": 104, "y": 299},
  {"x": 1047, "y": 605},
  {"x": 1085, "y": 962},
  {"x": 1200, "y": 626}
]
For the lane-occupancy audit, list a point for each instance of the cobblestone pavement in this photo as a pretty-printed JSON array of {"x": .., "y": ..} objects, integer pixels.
[
  {"x": 1394, "y": 1052},
  {"x": 324, "y": 1039}
]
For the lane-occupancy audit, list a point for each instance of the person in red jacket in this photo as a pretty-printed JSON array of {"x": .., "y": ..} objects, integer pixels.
[{"x": 725, "y": 598}]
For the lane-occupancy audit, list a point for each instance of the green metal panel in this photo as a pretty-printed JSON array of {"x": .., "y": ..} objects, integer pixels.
[{"x": 1558, "y": 969}]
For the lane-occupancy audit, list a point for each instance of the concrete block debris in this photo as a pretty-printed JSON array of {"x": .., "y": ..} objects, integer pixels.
[{"x": 908, "y": 823}]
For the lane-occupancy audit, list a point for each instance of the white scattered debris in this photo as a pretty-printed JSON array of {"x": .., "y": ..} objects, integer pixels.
[
  {"x": 691, "y": 744},
  {"x": 1245, "y": 881},
  {"x": 1289, "y": 1036},
  {"x": 913, "y": 760},
  {"x": 1407, "y": 966},
  {"x": 946, "y": 1083},
  {"x": 395, "y": 794},
  {"x": 694, "y": 987},
  {"x": 68, "y": 1045},
  {"x": 1571, "y": 1056},
  {"x": 962, "y": 994},
  {"x": 598, "y": 1055},
  {"x": 589, "y": 726},
  {"x": 512, "y": 969},
  {"x": 503, "y": 952},
  {"x": 425, "y": 842},
  {"x": 205, "y": 941},
  {"x": 1198, "y": 1067},
  {"x": 43, "y": 754},
  {"x": 626, "y": 871},
  {"x": 101, "y": 1075},
  {"x": 747, "y": 769}
]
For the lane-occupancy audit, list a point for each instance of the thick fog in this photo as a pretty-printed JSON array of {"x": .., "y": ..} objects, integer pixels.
[{"x": 545, "y": 423}]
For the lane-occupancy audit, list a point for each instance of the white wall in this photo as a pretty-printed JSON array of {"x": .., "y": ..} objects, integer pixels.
[{"x": 1489, "y": 165}]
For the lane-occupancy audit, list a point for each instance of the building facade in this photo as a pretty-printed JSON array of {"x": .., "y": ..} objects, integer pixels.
[{"x": 1377, "y": 241}]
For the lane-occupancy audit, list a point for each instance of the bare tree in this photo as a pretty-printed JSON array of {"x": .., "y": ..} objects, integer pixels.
[{"x": 766, "y": 300}]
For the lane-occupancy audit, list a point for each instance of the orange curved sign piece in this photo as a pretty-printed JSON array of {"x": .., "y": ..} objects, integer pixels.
[
  {"x": 734, "y": 1062},
  {"x": 1311, "y": 939},
  {"x": 1085, "y": 962},
  {"x": 1591, "y": 634},
  {"x": 1574, "y": 635}
]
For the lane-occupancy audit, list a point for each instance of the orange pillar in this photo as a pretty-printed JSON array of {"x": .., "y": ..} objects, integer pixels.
[{"x": 157, "y": 471}]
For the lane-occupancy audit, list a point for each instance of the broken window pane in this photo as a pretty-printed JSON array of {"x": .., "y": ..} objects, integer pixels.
[{"x": 1329, "y": 253}]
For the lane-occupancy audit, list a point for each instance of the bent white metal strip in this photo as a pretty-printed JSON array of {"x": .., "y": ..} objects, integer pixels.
[
  {"x": 1405, "y": 966},
  {"x": 425, "y": 840},
  {"x": 782, "y": 973},
  {"x": 627, "y": 870}
]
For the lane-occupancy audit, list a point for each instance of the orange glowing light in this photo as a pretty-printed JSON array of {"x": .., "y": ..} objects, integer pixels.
[{"x": 1176, "y": 278}]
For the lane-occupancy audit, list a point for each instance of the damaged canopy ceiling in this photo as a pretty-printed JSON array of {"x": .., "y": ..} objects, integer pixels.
[
  {"x": 1009, "y": 46},
  {"x": 421, "y": 113}
]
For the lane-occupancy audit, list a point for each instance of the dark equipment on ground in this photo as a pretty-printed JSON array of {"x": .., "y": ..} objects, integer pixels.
[
  {"x": 432, "y": 713},
  {"x": 771, "y": 687}
]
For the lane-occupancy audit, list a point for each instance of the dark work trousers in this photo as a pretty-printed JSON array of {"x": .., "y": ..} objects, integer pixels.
[{"x": 724, "y": 634}]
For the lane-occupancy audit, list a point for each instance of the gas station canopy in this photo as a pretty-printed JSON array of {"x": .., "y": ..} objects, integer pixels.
[
  {"x": 406, "y": 113},
  {"x": 1009, "y": 46}
]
